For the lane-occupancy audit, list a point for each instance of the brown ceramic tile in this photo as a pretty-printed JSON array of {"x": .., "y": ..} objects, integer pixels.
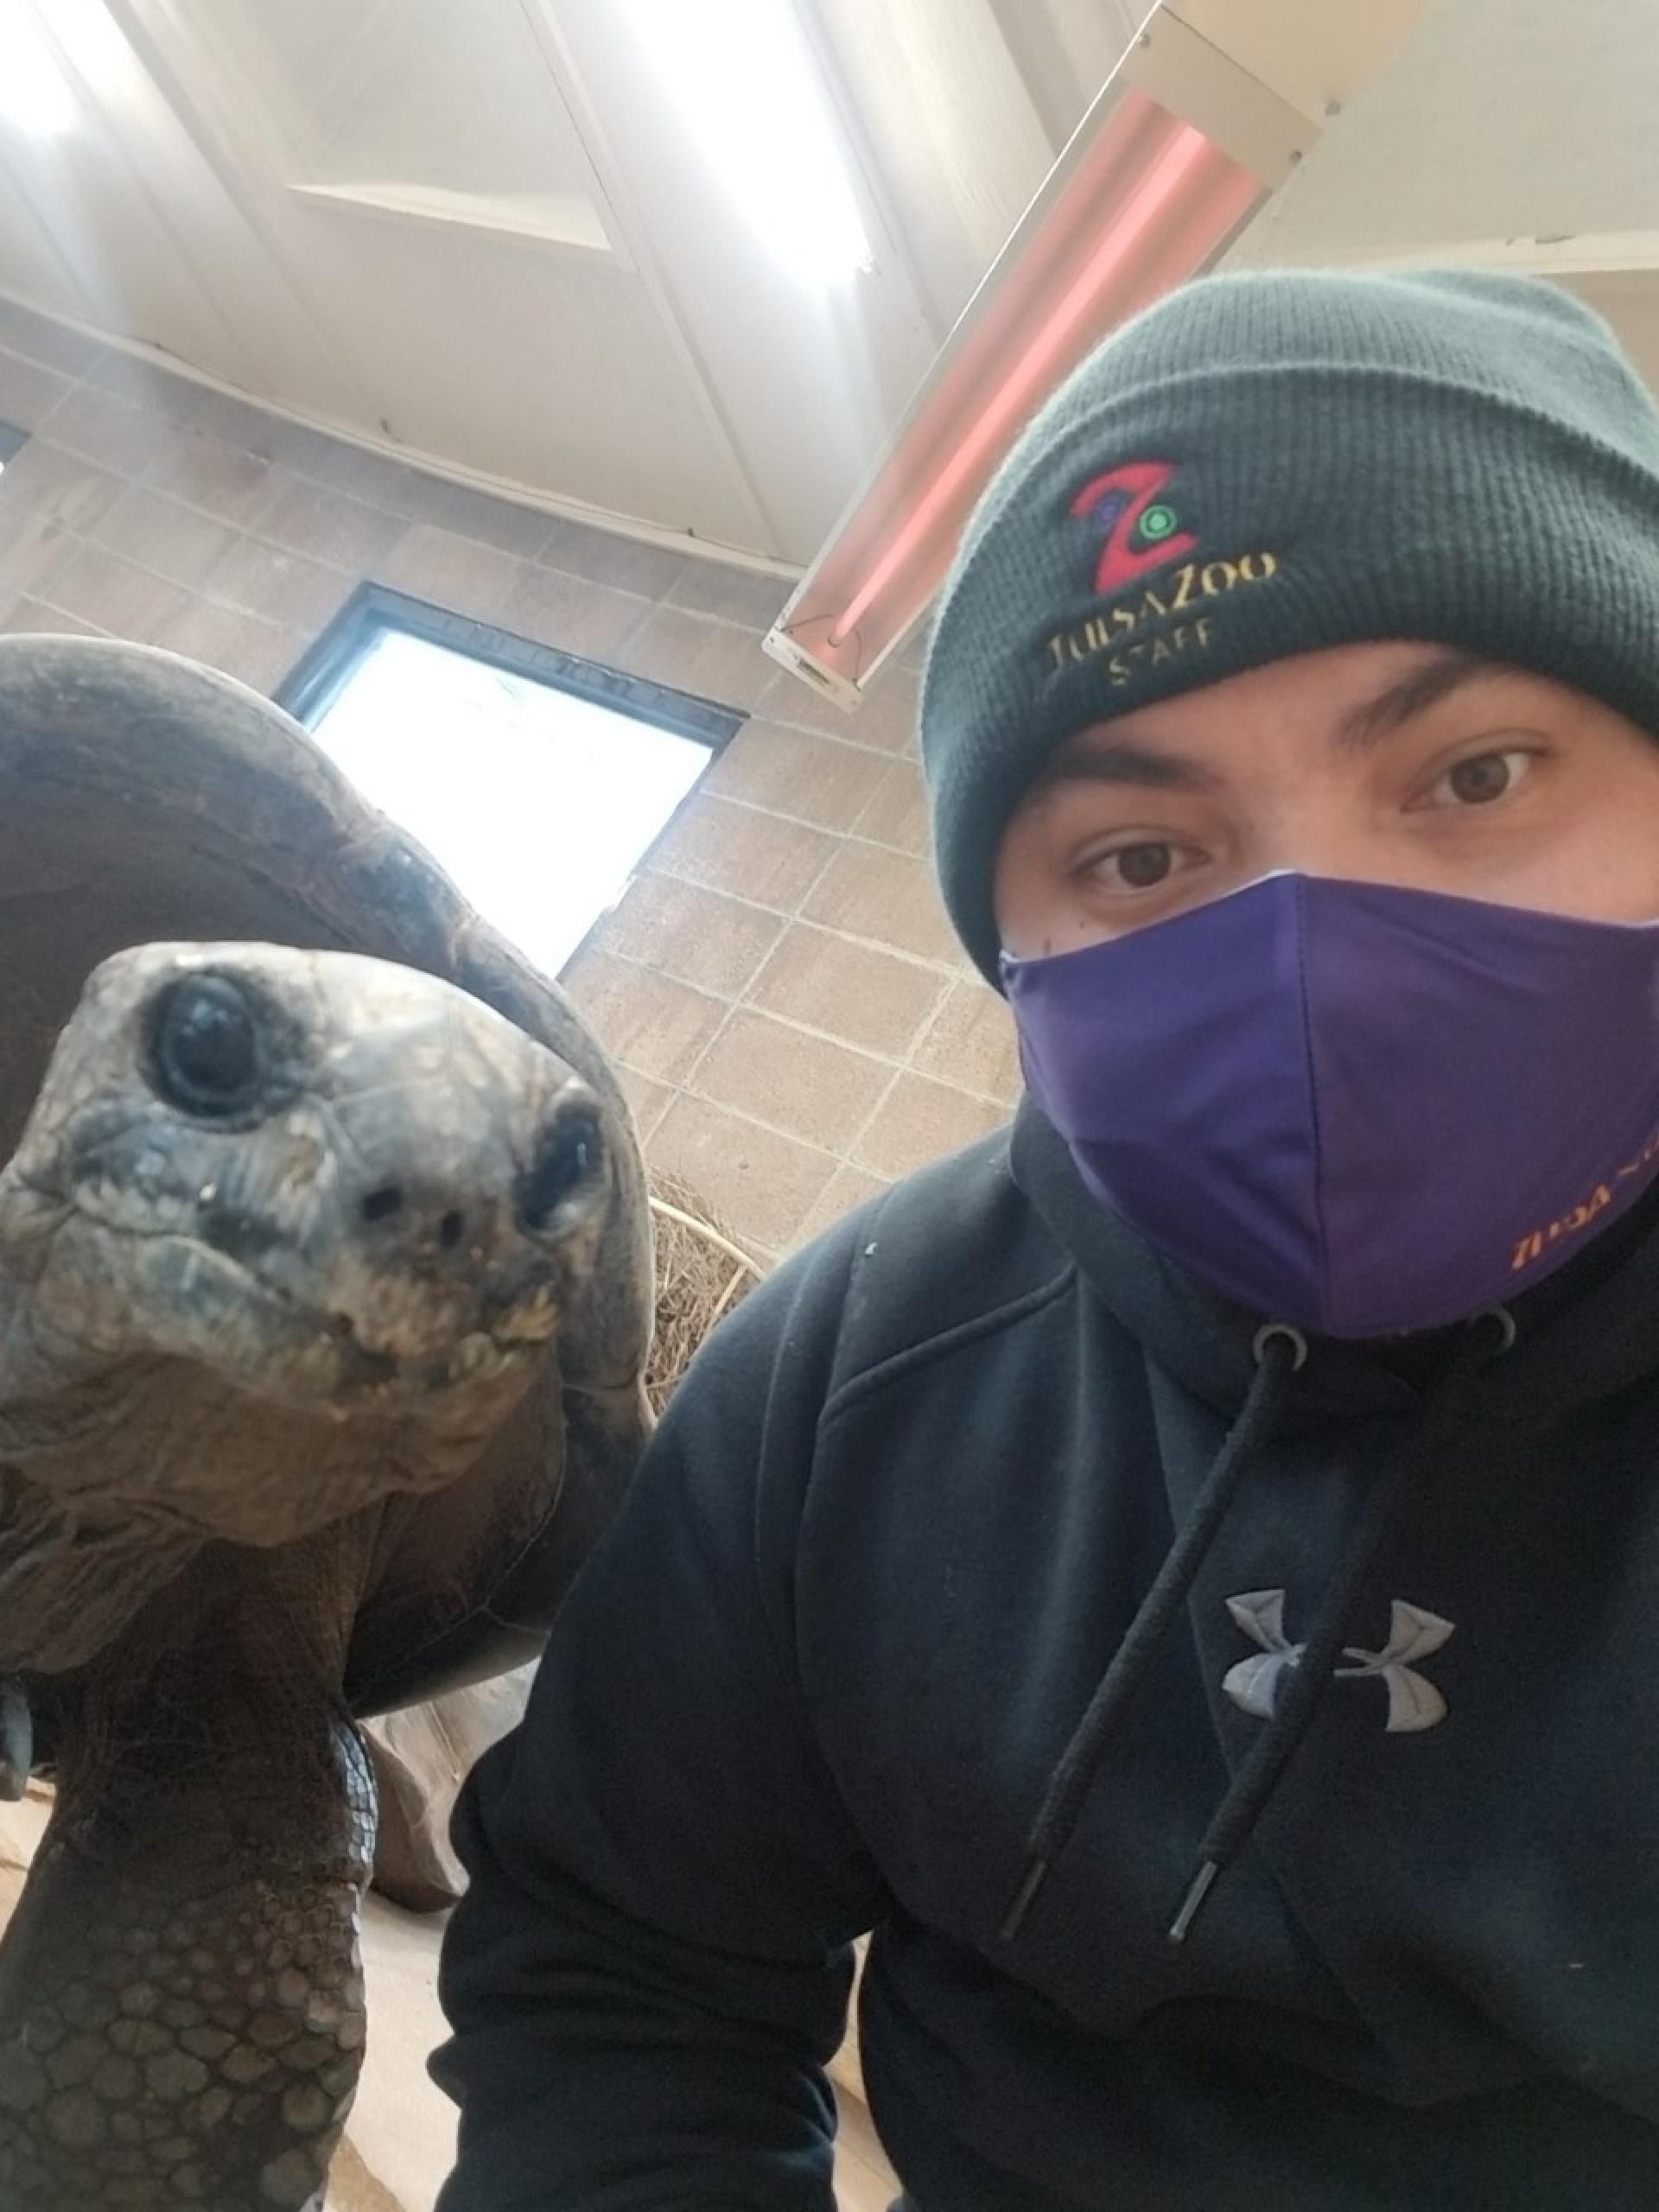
[
  {"x": 887, "y": 717},
  {"x": 28, "y": 392},
  {"x": 299, "y": 450},
  {"x": 126, "y": 601},
  {"x": 450, "y": 571},
  {"x": 884, "y": 720},
  {"x": 31, "y": 547},
  {"x": 695, "y": 653},
  {"x": 738, "y": 596},
  {"x": 222, "y": 480},
  {"x": 173, "y": 541},
  {"x": 109, "y": 431},
  {"x": 791, "y": 700},
  {"x": 807, "y": 1086},
  {"x": 255, "y": 430},
  {"x": 566, "y": 612},
  {"x": 897, "y": 813},
  {"x": 650, "y": 1022},
  {"x": 734, "y": 849},
  {"x": 28, "y": 616},
  {"x": 647, "y": 1100},
  {"x": 52, "y": 343},
  {"x": 46, "y": 480},
  {"x": 285, "y": 587},
  {"x": 390, "y": 484},
  {"x": 847, "y": 1188},
  {"x": 853, "y": 991},
  {"x": 912, "y": 653},
  {"x": 250, "y": 430},
  {"x": 342, "y": 533},
  {"x": 887, "y": 897},
  {"x": 257, "y": 652},
  {"x": 478, "y": 515},
  {"x": 143, "y": 384},
  {"x": 789, "y": 771},
  {"x": 761, "y": 1185},
  {"x": 919, "y": 1121},
  {"x": 606, "y": 557},
  {"x": 972, "y": 1045},
  {"x": 714, "y": 943}
]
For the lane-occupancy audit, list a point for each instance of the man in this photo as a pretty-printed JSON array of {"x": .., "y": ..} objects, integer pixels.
[{"x": 1184, "y": 1573}]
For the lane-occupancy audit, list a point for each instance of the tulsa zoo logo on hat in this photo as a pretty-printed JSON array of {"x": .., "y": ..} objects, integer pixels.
[{"x": 1142, "y": 536}]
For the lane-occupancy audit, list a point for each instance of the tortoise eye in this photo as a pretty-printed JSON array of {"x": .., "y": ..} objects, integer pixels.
[
  {"x": 569, "y": 1156},
  {"x": 206, "y": 1046}
]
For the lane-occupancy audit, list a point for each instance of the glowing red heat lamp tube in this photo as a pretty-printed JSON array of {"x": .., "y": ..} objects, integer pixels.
[
  {"x": 1178, "y": 212},
  {"x": 1142, "y": 198}
]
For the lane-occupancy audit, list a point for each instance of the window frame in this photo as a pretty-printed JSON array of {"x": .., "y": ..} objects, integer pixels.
[{"x": 324, "y": 670}]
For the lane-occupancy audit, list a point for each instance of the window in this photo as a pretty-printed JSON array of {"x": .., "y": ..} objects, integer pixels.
[
  {"x": 537, "y": 779},
  {"x": 11, "y": 441}
]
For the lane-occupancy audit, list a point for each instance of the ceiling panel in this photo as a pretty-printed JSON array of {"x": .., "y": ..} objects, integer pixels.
[
  {"x": 415, "y": 106},
  {"x": 549, "y": 375},
  {"x": 31, "y": 268},
  {"x": 960, "y": 136},
  {"x": 1497, "y": 117}
]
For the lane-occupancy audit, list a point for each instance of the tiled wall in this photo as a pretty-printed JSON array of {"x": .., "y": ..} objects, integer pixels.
[{"x": 794, "y": 1019}]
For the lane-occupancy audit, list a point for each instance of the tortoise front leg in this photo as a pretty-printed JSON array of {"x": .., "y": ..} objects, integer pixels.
[{"x": 182, "y": 2011}]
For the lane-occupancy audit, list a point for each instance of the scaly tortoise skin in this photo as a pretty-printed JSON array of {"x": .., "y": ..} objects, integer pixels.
[{"x": 325, "y": 1297}]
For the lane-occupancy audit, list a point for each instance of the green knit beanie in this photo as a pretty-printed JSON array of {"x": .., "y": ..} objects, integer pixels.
[{"x": 1263, "y": 464}]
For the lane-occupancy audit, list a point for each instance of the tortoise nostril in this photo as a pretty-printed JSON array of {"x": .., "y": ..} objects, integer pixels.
[
  {"x": 381, "y": 1204},
  {"x": 451, "y": 1229}
]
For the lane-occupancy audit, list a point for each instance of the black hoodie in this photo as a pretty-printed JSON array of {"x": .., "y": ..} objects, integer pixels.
[{"x": 898, "y": 1521}]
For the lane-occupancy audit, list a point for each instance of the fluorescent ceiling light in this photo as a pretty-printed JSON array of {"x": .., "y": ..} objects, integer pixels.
[
  {"x": 740, "y": 75},
  {"x": 33, "y": 96},
  {"x": 537, "y": 805}
]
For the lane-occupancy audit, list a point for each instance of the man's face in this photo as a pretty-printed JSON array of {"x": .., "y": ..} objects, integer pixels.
[{"x": 1400, "y": 764}]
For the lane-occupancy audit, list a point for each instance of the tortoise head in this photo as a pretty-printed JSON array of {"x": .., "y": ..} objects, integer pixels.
[
  {"x": 314, "y": 1178},
  {"x": 288, "y": 1189}
]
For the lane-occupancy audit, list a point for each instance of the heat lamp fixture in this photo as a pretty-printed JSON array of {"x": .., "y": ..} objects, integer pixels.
[{"x": 1207, "y": 114}]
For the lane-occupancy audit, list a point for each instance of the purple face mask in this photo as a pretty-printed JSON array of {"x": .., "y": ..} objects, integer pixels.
[{"x": 1361, "y": 1109}]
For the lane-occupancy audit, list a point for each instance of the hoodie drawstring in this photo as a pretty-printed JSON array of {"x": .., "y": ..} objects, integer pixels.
[{"x": 1280, "y": 1351}]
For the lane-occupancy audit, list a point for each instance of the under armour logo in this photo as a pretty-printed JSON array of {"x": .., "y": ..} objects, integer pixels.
[{"x": 1413, "y": 1701}]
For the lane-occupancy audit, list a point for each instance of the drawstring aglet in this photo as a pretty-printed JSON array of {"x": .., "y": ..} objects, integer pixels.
[
  {"x": 1036, "y": 1875},
  {"x": 1192, "y": 1904}
]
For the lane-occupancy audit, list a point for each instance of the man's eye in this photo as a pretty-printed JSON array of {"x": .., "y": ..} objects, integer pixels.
[
  {"x": 1135, "y": 867},
  {"x": 1482, "y": 778}
]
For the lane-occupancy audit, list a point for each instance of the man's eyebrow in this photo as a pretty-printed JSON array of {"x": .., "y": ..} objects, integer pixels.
[
  {"x": 1119, "y": 762},
  {"x": 1371, "y": 719}
]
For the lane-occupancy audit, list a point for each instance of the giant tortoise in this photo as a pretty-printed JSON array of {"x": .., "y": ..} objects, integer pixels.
[{"x": 324, "y": 1294}]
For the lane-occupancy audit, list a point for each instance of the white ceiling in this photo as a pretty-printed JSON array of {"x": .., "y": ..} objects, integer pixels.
[
  {"x": 1509, "y": 133},
  {"x": 486, "y": 231}
]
